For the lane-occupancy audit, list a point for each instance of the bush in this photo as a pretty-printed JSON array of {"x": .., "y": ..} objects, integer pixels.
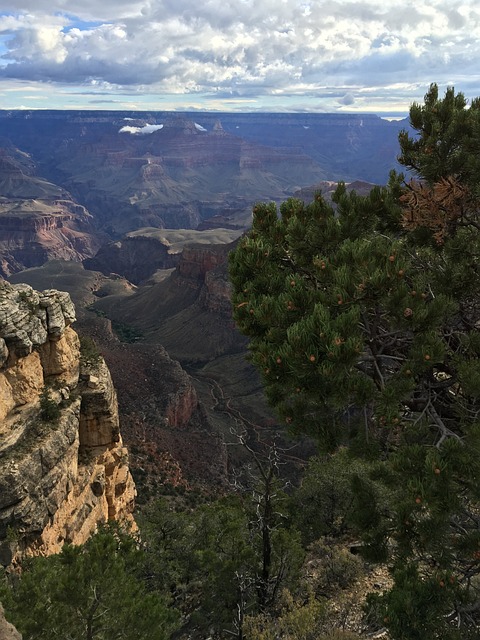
[
  {"x": 325, "y": 502},
  {"x": 88, "y": 350},
  {"x": 49, "y": 409},
  {"x": 334, "y": 568}
]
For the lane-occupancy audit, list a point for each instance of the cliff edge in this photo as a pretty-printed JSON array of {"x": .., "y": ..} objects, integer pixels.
[{"x": 63, "y": 467}]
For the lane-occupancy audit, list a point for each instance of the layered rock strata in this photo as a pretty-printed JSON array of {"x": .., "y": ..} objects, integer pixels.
[
  {"x": 63, "y": 468},
  {"x": 34, "y": 231}
]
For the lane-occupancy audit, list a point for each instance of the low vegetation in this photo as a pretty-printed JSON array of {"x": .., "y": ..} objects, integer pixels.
[
  {"x": 234, "y": 566},
  {"x": 49, "y": 408},
  {"x": 88, "y": 350}
]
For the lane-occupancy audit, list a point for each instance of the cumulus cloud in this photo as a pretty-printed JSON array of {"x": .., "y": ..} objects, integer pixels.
[{"x": 243, "y": 48}]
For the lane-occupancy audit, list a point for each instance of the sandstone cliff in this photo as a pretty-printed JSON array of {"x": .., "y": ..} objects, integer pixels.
[{"x": 63, "y": 468}]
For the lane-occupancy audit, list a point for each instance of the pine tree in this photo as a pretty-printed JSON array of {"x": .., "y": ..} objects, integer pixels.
[
  {"x": 363, "y": 319},
  {"x": 89, "y": 592}
]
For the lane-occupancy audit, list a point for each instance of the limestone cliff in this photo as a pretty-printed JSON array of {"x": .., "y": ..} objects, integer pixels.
[{"x": 63, "y": 468}]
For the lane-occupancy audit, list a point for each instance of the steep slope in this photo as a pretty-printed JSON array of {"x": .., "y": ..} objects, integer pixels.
[
  {"x": 63, "y": 467},
  {"x": 189, "y": 313},
  {"x": 38, "y": 220},
  {"x": 163, "y": 420},
  {"x": 139, "y": 254}
]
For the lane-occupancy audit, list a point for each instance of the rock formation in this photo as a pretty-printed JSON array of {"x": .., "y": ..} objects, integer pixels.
[
  {"x": 7, "y": 631},
  {"x": 189, "y": 313},
  {"x": 139, "y": 254},
  {"x": 170, "y": 438},
  {"x": 63, "y": 468},
  {"x": 33, "y": 231},
  {"x": 176, "y": 176},
  {"x": 136, "y": 258},
  {"x": 38, "y": 220}
]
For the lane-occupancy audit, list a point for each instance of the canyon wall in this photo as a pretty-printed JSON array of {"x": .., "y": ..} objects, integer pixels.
[
  {"x": 34, "y": 231},
  {"x": 63, "y": 467},
  {"x": 136, "y": 258}
]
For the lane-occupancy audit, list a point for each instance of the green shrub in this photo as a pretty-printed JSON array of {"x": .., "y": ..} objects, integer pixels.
[
  {"x": 49, "y": 409},
  {"x": 335, "y": 567},
  {"x": 88, "y": 350}
]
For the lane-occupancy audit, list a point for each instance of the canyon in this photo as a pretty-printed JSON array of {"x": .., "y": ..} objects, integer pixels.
[
  {"x": 134, "y": 214},
  {"x": 72, "y": 181}
]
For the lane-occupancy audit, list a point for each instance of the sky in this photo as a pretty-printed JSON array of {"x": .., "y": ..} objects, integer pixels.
[{"x": 368, "y": 56}]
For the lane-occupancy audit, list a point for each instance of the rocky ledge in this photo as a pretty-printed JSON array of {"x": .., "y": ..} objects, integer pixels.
[{"x": 63, "y": 468}]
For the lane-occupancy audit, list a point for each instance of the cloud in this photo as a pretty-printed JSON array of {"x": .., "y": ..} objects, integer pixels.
[
  {"x": 242, "y": 48},
  {"x": 148, "y": 128},
  {"x": 347, "y": 99},
  {"x": 90, "y": 10}
]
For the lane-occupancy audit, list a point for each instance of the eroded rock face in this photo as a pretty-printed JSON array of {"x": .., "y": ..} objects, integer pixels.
[
  {"x": 136, "y": 258},
  {"x": 63, "y": 467},
  {"x": 36, "y": 231},
  {"x": 197, "y": 260},
  {"x": 7, "y": 631}
]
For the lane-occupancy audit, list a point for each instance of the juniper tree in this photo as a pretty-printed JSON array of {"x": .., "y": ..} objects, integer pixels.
[{"x": 362, "y": 315}]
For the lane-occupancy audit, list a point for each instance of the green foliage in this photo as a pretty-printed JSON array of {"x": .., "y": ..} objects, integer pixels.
[
  {"x": 126, "y": 333},
  {"x": 327, "y": 503},
  {"x": 447, "y": 134},
  {"x": 304, "y": 284},
  {"x": 49, "y": 409},
  {"x": 305, "y": 619},
  {"x": 89, "y": 592},
  {"x": 334, "y": 566},
  {"x": 212, "y": 560},
  {"x": 295, "y": 621},
  {"x": 414, "y": 609},
  {"x": 89, "y": 350},
  {"x": 363, "y": 319}
]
